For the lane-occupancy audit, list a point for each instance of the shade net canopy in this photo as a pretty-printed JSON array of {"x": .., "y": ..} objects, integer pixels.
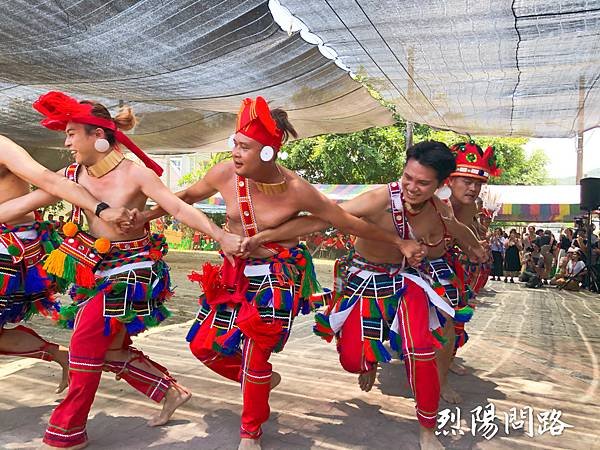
[
  {"x": 184, "y": 66},
  {"x": 514, "y": 68}
]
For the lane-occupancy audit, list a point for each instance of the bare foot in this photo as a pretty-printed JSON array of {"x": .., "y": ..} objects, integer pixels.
[
  {"x": 249, "y": 444},
  {"x": 275, "y": 380},
  {"x": 428, "y": 440},
  {"x": 457, "y": 368},
  {"x": 367, "y": 379},
  {"x": 450, "y": 395},
  {"x": 176, "y": 396},
  {"x": 62, "y": 357},
  {"x": 75, "y": 447}
]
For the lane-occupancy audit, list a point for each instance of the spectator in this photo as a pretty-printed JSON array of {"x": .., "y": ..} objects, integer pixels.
[
  {"x": 545, "y": 268},
  {"x": 561, "y": 270},
  {"x": 543, "y": 238},
  {"x": 534, "y": 264},
  {"x": 595, "y": 252},
  {"x": 566, "y": 240},
  {"x": 497, "y": 246},
  {"x": 196, "y": 240},
  {"x": 574, "y": 273},
  {"x": 512, "y": 260},
  {"x": 529, "y": 237},
  {"x": 580, "y": 241}
]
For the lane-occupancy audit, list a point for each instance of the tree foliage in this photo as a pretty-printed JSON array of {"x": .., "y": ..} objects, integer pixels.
[
  {"x": 377, "y": 155},
  {"x": 517, "y": 167},
  {"x": 200, "y": 171},
  {"x": 370, "y": 156}
]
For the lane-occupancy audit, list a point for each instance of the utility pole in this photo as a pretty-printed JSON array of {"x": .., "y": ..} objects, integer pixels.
[{"x": 580, "y": 130}]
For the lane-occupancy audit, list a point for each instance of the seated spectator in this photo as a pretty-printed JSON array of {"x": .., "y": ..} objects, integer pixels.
[
  {"x": 530, "y": 262},
  {"x": 561, "y": 269},
  {"x": 534, "y": 265},
  {"x": 575, "y": 271},
  {"x": 545, "y": 269}
]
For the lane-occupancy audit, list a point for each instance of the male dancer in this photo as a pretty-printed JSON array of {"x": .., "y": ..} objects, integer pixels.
[
  {"x": 120, "y": 293},
  {"x": 376, "y": 297},
  {"x": 473, "y": 168},
  {"x": 25, "y": 288},
  {"x": 236, "y": 332}
]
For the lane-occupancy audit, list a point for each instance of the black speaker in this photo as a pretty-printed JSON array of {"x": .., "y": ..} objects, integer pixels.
[{"x": 590, "y": 193}]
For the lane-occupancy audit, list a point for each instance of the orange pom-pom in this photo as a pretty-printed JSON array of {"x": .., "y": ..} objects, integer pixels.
[
  {"x": 102, "y": 245},
  {"x": 70, "y": 229}
]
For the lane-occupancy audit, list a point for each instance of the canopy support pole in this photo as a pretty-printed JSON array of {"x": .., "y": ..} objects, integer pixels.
[{"x": 580, "y": 130}]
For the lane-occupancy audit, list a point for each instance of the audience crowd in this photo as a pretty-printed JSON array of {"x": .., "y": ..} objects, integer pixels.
[{"x": 538, "y": 257}]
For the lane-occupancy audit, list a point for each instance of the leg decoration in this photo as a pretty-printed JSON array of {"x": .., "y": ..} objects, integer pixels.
[{"x": 132, "y": 371}]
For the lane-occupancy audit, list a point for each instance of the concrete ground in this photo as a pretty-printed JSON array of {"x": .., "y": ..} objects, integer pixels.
[{"x": 529, "y": 348}]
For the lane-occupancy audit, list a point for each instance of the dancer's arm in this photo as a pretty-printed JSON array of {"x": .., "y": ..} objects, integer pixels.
[
  {"x": 293, "y": 228},
  {"x": 20, "y": 163},
  {"x": 362, "y": 205},
  {"x": 464, "y": 236},
  {"x": 326, "y": 213},
  {"x": 154, "y": 188},
  {"x": 199, "y": 191},
  {"x": 20, "y": 206},
  {"x": 316, "y": 203}
]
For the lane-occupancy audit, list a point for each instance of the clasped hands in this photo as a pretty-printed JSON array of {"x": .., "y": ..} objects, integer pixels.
[
  {"x": 127, "y": 219},
  {"x": 124, "y": 219}
]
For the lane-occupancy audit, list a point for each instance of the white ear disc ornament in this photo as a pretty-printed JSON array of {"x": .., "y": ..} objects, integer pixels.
[
  {"x": 267, "y": 153},
  {"x": 231, "y": 142},
  {"x": 444, "y": 193},
  {"x": 101, "y": 145}
]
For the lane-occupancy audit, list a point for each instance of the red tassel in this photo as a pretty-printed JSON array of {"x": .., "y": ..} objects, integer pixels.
[
  {"x": 155, "y": 254},
  {"x": 209, "y": 279},
  {"x": 84, "y": 276},
  {"x": 265, "y": 335},
  {"x": 210, "y": 338}
]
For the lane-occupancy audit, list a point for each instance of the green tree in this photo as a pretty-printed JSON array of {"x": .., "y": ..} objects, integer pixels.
[
  {"x": 375, "y": 155},
  {"x": 198, "y": 173},
  {"x": 517, "y": 167}
]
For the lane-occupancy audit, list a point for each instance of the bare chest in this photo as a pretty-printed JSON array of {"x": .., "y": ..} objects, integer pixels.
[
  {"x": 269, "y": 211},
  {"x": 428, "y": 228},
  {"x": 117, "y": 191}
]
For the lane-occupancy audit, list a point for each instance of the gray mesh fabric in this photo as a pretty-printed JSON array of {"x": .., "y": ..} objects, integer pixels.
[
  {"x": 484, "y": 67},
  {"x": 183, "y": 65}
]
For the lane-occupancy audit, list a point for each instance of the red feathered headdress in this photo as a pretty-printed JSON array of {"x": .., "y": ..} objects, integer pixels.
[
  {"x": 255, "y": 121},
  {"x": 471, "y": 161},
  {"x": 61, "y": 109}
]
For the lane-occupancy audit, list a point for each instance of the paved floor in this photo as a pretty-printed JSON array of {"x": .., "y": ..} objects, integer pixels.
[{"x": 529, "y": 348}]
